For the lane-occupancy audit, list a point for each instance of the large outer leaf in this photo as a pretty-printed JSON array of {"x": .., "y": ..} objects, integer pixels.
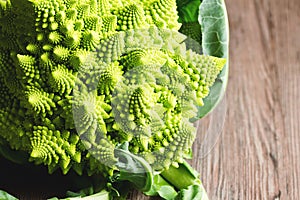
[
  {"x": 5, "y": 196},
  {"x": 215, "y": 42}
]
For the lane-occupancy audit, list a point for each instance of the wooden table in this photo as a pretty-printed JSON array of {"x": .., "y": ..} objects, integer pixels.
[{"x": 257, "y": 156}]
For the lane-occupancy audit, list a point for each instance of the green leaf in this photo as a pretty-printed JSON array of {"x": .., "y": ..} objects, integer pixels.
[
  {"x": 188, "y": 10},
  {"x": 134, "y": 169},
  {"x": 162, "y": 188},
  {"x": 215, "y": 42},
  {"x": 5, "y": 196},
  {"x": 188, "y": 184},
  {"x": 193, "y": 192}
]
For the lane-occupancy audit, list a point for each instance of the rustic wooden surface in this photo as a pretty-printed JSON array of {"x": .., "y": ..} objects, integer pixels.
[{"x": 257, "y": 156}]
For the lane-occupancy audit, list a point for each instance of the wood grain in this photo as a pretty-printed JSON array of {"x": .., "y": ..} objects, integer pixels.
[{"x": 257, "y": 155}]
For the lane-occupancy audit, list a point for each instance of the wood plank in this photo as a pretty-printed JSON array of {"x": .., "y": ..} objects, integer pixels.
[{"x": 258, "y": 154}]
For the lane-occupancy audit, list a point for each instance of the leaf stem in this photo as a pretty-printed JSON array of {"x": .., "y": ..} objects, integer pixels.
[{"x": 181, "y": 177}]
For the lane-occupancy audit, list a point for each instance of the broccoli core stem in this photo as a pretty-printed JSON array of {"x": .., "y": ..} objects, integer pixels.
[{"x": 181, "y": 177}]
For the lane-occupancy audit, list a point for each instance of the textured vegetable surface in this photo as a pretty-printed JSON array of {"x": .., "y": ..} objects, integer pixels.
[
  {"x": 214, "y": 22},
  {"x": 6, "y": 196},
  {"x": 100, "y": 87}
]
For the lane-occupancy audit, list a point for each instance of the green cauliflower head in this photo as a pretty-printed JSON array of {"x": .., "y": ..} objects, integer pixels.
[{"x": 80, "y": 78}]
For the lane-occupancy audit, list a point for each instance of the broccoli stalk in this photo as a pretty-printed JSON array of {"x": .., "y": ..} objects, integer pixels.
[{"x": 186, "y": 174}]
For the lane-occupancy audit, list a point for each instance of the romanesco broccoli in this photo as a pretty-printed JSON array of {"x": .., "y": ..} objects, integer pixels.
[{"x": 80, "y": 78}]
